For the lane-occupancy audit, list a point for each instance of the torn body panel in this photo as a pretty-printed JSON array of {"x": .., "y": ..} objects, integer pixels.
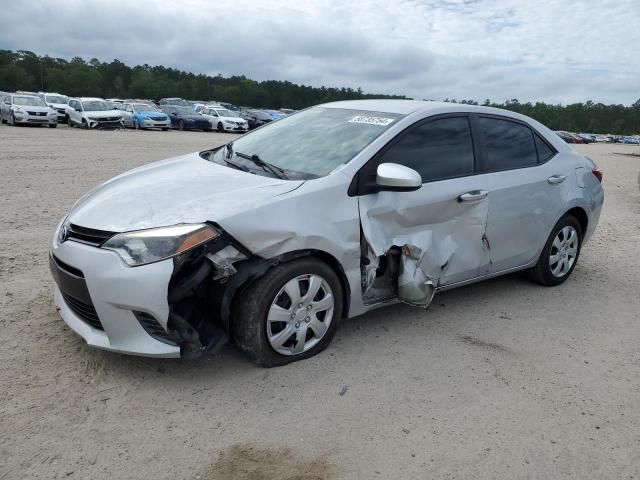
[{"x": 442, "y": 239}]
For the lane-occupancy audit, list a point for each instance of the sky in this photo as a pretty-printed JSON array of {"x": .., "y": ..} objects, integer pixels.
[{"x": 558, "y": 51}]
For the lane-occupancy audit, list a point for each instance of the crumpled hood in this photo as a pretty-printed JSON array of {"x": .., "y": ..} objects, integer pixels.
[{"x": 185, "y": 189}]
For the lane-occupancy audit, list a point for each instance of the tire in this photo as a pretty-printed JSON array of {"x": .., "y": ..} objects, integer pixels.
[
  {"x": 208, "y": 129},
  {"x": 220, "y": 127},
  {"x": 252, "y": 328},
  {"x": 13, "y": 120},
  {"x": 69, "y": 122},
  {"x": 136, "y": 125},
  {"x": 55, "y": 125},
  {"x": 84, "y": 124},
  {"x": 164, "y": 129},
  {"x": 181, "y": 125},
  {"x": 544, "y": 271}
]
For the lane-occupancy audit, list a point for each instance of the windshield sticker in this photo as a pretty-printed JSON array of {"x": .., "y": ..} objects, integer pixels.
[{"x": 383, "y": 122}]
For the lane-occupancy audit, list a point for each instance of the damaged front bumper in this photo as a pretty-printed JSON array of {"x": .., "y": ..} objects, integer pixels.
[{"x": 169, "y": 308}]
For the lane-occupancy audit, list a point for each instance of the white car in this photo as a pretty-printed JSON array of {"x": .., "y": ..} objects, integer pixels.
[
  {"x": 27, "y": 109},
  {"x": 57, "y": 102},
  {"x": 88, "y": 112},
  {"x": 326, "y": 214},
  {"x": 224, "y": 121}
]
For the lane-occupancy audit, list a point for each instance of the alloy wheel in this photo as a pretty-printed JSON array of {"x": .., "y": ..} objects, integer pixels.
[
  {"x": 300, "y": 314},
  {"x": 564, "y": 250}
]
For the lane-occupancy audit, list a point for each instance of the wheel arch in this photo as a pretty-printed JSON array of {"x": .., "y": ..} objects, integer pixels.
[
  {"x": 580, "y": 214},
  {"x": 256, "y": 268}
]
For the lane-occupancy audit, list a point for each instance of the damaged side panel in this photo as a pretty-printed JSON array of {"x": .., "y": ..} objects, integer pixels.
[{"x": 429, "y": 236}]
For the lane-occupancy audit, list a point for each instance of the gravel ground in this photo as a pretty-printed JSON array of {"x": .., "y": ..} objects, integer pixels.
[{"x": 502, "y": 379}]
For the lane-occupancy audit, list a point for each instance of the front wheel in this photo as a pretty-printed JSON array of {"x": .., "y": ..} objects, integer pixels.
[
  {"x": 290, "y": 313},
  {"x": 136, "y": 125},
  {"x": 560, "y": 253},
  {"x": 220, "y": 128},
  {"x": 181, "y": 125}
]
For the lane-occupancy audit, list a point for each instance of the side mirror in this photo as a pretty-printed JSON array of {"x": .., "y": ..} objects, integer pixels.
[{"x": 398, "y": 178}]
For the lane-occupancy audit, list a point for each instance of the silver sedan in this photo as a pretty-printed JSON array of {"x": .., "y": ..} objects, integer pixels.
[{"x": 273, "y": 239}]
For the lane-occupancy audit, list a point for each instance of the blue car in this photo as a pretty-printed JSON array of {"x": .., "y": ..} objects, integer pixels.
[
  {"x": 144, "y": 115},
  {"x": 274, "y": 114}
]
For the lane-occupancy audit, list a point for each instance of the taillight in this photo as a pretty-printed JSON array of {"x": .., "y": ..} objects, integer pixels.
[{"x": 598, "y": 173}]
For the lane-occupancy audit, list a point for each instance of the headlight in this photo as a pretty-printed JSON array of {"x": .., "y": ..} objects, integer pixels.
[
  {"x": 17, "y": 109},
  {"x": 147, "y": 246}
]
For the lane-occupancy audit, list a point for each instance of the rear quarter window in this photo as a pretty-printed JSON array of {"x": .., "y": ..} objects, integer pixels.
[{"x": 507, "y": 145}]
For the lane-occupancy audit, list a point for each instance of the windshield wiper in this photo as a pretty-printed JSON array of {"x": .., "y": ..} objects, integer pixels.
[{"x": 277, "y": 171}]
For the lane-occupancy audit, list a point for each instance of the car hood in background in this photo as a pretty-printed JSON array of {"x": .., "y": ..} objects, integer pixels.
[
  {"x": 103, "y": 113},
  {"x": 188, "y": 117},
  {"x": 234, "y": 119},
  {"x": 34, "y": 108},
  {"x": 186, "y": 189},
  {"x": 151, "y": 113}
]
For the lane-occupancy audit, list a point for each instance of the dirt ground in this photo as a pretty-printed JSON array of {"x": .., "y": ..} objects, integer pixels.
[{"x": 503, "y": 379}]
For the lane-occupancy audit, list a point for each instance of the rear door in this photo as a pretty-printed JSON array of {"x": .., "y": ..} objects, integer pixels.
[
  {"x": 440, "y": 226},
  {"x": 127, "y": 115},
  {"x": 526, "y": 190}
]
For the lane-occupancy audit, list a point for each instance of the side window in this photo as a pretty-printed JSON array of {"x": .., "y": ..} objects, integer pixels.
[
  {"x": 437, "y": 150},
  {"x": 544, "y": 151},
  {"x": 507, "y": 145}
]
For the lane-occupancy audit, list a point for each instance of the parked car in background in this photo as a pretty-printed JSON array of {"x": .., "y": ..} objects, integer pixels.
[
  {"x": 586, "y": 138},
  {"x": 201, "y": 106},
  {"x": 185, "y": 118},
  {"x": 19, "y": 109},
  {"x": 274, "y": 114},
  {"x": 230, "y": 106},
  {"x": 57, "y": 102},
  {"x": 287, "y": 111},
  {"x": 275, "y": 238},
  {"x": 629, "y": 141},
  {"x": 90, "y": 112},
  {"x": 224, "y": 120},
  {"x": 255, "y": 118},
  {"x": 176, "y": 101},
  {"x": 569, "y": 137},
  {"x": 144, "y": 115}
]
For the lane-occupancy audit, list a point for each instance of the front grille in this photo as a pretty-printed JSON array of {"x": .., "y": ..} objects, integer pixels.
[
  {"x": 88, "y": 236},
  {"x": 158, "y": 119},
  {"x": 37, "y": 114},
  {"x": 61, "y": 110},
  {"x": 153, "y": 328},
  {"x": 85, "y": 311}
]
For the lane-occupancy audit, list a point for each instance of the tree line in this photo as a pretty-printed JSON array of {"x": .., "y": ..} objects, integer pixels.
[{"x": 25, "y": 70}]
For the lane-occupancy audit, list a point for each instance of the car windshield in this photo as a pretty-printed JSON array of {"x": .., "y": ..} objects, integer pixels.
[
  {"x": 29, "y": 101},
  {"x": 224, "y": 113},
  {"x": 143, "y": 107},
  {"x": 95, "y": 106},
  {"x": 183, "y": 110},
  {"x": 57, "y": 99},
  {"x": 314, "y": 141}
]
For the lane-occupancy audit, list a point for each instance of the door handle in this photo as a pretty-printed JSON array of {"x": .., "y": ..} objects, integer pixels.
[
  {"x": 556, "y": 179},
  {"x": 473, "y": 196}
]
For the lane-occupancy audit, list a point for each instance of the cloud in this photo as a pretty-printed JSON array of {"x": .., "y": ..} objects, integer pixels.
[{"x": 550, "y": 50}]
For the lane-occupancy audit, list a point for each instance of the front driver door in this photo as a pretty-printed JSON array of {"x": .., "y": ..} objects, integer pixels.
[{"x": 443, "y": 223}]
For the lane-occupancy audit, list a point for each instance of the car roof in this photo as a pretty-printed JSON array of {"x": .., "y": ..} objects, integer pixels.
[
  {"x": 406, "y": 107},
  {"x": 89, "y": 99}
]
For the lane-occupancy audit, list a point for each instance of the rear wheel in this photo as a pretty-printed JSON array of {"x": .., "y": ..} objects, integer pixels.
[
  {"x": 289, "y": 314},
  {"x": 560, "y": 253}
]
